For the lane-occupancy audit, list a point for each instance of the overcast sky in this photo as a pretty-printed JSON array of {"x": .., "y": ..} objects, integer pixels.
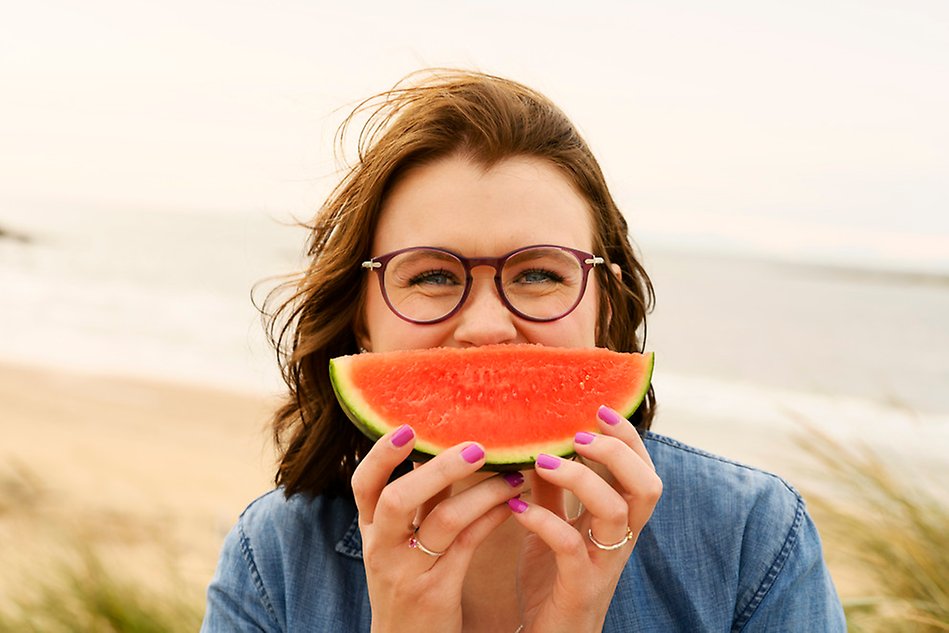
[{"x": 810, "y": 119}]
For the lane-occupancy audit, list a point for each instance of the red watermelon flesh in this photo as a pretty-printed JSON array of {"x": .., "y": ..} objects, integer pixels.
[{"x": 516, "y": 400}]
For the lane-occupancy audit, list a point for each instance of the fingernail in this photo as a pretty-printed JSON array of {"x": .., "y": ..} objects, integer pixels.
[
  {"x": 472, "y": 453},
  {"x": 584, "y": 438},
  {"x": 402, "y": 436},
  {"x": 513, "y": 479},
  {"x": 547, "y": 461},
  {"x": 517, "y": 504},
  {"x": 610, "y": 416}
]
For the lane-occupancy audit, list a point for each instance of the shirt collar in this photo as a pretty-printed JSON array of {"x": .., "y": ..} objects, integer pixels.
[{"x": 351, "y": 543}]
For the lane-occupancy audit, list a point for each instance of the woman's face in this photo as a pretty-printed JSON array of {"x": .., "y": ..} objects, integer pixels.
[{"x": 459, "y": 206}]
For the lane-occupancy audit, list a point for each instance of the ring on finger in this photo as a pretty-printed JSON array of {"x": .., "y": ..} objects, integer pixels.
[
  {"x": 415, "y": 543},
  {"x": 612, "y": 546}
]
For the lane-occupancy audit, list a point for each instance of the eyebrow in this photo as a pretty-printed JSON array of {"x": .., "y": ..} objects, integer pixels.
[{"x": 429, "y": 253}]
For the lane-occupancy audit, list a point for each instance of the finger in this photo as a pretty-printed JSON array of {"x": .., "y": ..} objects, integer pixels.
[
  {"x": 605, "y": 507},
  {"x": 635, "y": 479},
  {"x": 548, "y": 495},
  {"x": 460, "y": 553},
  {"x": 567, "y": 544},
  {"x": 400, "y": 499},
  {"x": 613, "y": 424},
  {"x": 426, "y": 508},
  {"x": 448, "y": 520},
  {"x": 374, "y": 470}
]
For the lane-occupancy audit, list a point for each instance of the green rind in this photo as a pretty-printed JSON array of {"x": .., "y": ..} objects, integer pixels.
[{"x": 424, "y": 451}]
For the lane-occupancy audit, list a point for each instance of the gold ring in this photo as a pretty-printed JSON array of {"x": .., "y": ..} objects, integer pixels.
[
  {"x": 414, "y": 543},
  {"x": 618, "y": 544}
]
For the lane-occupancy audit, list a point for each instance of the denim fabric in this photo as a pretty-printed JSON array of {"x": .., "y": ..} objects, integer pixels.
[{"x": 728, "y": 548}]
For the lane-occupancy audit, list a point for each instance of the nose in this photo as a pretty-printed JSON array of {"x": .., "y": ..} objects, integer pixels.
[{"x": 483, "y": 319}]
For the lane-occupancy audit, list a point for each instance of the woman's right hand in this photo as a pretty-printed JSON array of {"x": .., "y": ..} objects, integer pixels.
[{"x": 410, "y": 590}]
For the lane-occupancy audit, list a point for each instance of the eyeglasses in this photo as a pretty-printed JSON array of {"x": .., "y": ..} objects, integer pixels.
[{"x": 427, "y": 285}]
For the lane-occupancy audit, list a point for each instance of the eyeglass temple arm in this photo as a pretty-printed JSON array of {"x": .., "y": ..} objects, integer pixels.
[{"x": 370, "y": 264}]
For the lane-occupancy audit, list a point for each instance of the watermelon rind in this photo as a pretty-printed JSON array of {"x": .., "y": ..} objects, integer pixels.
[{"x": 374, "y": 425}]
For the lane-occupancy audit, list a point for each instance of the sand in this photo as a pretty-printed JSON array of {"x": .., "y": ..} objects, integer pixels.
[
  {"x": 153, "y": 469},
  {"x": 156, "y": 473}
]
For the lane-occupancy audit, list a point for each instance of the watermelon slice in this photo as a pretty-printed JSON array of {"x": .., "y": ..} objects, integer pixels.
[{"x": 516, "y": 400}]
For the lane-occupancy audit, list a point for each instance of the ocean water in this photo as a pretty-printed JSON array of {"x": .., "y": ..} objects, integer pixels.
[
  {"x": 147, "y": 293},
  {"x": 167, "y": 295},
  {"x": 878, "y": 335}
]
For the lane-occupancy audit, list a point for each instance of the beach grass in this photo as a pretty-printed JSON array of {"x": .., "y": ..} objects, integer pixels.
[
  {"x": 74, "y": 571},
  {"x": 886, "y": 535},
  {"x": 89, "y": 595},
  {"x": 886, "y": 529}
]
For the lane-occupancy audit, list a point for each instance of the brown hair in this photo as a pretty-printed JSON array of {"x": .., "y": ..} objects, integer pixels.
[{"x": 425, "y": 117}]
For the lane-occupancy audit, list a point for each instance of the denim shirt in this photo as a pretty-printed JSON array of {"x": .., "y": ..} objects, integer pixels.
[{"x": 728, "y": 548}]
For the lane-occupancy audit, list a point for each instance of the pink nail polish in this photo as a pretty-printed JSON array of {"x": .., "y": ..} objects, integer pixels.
[
  {"x": 584, "y": 438},
  {"x": 548, "y": 462},
  {"x": 513, "y": 479},
  {"x": 517, "y": 505},
  {"x": 472, "y": 453},
  {"x": 402, "y": 436},
  {"x": 610, "y": 416}
]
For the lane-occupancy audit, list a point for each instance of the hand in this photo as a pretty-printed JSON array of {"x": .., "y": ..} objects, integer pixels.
[
  {"x": 565, "y": 582},
  {"x": 410, "y": 590}
]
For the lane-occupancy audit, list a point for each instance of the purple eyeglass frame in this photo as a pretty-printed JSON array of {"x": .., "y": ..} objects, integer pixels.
[{"x": 586, "y": 260}]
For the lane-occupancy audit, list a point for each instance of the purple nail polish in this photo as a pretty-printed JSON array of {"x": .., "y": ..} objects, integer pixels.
[
  {"x": 472, "y": 453},
  {"x": 548, "y": 462},
  {"x": 584, "y": 438},
  {"x": 610, "y": 416},
  {"x": 402, "y": 436},
  {"x": 513, "y": 479},
  {"x": 517, "y": 505}
]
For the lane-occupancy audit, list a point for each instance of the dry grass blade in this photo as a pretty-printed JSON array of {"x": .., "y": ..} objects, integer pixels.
[
  {"x": 893, "y": 531},
  {"x": 86, "y": 596}
]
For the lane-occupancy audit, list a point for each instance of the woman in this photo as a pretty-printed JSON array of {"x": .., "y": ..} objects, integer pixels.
[{"x": 640, "y": 534}]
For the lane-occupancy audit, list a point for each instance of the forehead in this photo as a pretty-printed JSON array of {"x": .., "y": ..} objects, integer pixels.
[{"x": 457, "y": 204}]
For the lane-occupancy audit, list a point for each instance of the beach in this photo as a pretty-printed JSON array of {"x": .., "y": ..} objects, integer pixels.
[
  {"x": 153, "y": 473},
  {"x": 135, "y": 399},
  {"x": 147, "y": 470},
  {"x": 781, "y": 167},
  {"x": 144, "y": 468}
]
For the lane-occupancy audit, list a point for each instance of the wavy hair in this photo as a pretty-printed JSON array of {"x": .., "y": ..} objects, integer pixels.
[{"x": 425, "y": 117}]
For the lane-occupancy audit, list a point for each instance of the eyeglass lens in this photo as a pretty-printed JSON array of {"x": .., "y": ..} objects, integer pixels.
[{"x": 541, "y": 283}]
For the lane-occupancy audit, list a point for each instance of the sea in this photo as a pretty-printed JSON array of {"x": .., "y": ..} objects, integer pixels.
[{"x": 745, "y": 342}]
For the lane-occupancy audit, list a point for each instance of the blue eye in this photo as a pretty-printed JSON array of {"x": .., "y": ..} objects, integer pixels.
[
  {"x": 434, "y": 278},
  {"x": 538, "y": 276}
]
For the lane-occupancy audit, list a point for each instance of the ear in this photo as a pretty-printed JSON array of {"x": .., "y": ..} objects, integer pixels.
[
  {"x": 363, "y": 340},
  {"x": 360, "y": 332},
  {"x": 618, "y": 273}
]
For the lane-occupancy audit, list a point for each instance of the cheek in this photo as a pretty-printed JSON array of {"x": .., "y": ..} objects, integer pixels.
[
  {"x": 590, "y": 325},
  {"x": 589, "y": 316},
  {"x": 577, "y": 329},
  {"x": 375, "y": 313},
  {"x": 385, "y": 332},
  {"x": 373, "y": 305}
]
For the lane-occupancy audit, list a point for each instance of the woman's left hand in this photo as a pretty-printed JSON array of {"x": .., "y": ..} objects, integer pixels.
[{"x": 565, "y": 581}]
